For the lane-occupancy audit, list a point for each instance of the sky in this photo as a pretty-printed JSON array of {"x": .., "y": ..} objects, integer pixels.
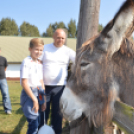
[{"x": 43, "y": 12}]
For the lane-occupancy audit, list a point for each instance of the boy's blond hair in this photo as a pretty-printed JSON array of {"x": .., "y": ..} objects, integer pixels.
[{"x": 36, "y": 42}]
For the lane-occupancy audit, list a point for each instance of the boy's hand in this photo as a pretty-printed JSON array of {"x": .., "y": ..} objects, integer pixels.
[
  {"x": 35, "y": 106},
  {"x": 43, "y": 107}
]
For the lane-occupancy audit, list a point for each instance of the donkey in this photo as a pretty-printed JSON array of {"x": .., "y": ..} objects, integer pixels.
[{"x": 103, "y": 72}]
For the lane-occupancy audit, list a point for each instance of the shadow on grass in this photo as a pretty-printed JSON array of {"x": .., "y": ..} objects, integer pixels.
[
  {"x": 1, "y": 104},
  {"x": 4, "y": 133},
  {"x": 19, "y": 111},
  {"x": 19, "y": 126},
  {"x": 2, "y": 113}
]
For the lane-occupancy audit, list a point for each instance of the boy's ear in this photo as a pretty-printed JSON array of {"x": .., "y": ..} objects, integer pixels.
[{"x": 29, "y": 49}]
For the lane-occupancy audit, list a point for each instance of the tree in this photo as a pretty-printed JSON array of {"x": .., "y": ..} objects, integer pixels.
[
  {"x": 100, "y": 28},
  {"x": 58, "y": 25},
  {"x": 27, "y": 29},
  {"x": 8, "y": 27},
  {"x": 72, "y": 29},
  {"x": 44, "y": 34},
  {"x": 87, "y": 28},
  {"x": 61, "y": 25},
  {"x": 23, "y": 29},
  {"x": 49, "y": 31},
  {"x": 54, "y": 26},
  {"x": 88, "y": 20}
]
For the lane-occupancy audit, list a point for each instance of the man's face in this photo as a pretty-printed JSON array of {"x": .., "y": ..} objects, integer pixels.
[
  {"x": 36, "y": 51},
  {"x": 59, "y": 38}
]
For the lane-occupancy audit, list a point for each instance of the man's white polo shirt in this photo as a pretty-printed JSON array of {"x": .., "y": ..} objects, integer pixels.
[{"x": 55, "y": 64}]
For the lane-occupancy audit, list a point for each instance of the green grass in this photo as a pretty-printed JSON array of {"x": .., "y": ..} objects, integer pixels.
[{"x": 16, "y": 122}]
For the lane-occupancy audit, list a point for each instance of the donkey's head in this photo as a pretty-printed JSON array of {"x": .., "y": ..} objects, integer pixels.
[{"x": 93, "y": 87}]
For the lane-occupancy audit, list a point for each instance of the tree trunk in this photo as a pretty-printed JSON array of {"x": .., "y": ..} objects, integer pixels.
[
  {"x": 87, "y": 28},
  {"x": 88, "y": 20}
]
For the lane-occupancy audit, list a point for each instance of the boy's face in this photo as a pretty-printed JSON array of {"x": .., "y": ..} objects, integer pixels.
[{"x": 36, "y": 51}]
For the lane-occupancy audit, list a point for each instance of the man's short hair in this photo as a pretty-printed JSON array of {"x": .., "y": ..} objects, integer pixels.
[{"x": 36, "y": 42}]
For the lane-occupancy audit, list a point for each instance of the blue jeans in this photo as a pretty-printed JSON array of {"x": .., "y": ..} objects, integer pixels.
[
  {"x": 5, "y": 94},
  {"x": 32, "y": 126}
]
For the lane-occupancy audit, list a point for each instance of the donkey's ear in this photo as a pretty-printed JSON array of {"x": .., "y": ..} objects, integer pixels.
[
  {"x": 102, "y": 40},
  {"x": 107, "y": 28},
  {"x": 119, "y": 28},
  {"x": 101, "y": 44}
]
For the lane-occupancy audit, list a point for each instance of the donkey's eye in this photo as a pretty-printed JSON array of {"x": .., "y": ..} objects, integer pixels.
[{"x": 84, "y": 64}]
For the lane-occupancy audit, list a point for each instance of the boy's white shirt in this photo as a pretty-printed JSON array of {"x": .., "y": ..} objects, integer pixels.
[{"x": 32, "y": 71}]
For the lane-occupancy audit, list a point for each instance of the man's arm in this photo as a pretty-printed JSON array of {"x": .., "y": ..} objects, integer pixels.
[
  {"x": 30, "y": 94},
  {"x": 5, "y": 68},
  {"x": 6, "y": 64},
  {"x": 72, "y": 55}
]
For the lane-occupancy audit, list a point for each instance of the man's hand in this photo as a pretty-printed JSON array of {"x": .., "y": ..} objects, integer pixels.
[
  {"x": 35, "y": 106},
  {"x": 43, "y": 107}
]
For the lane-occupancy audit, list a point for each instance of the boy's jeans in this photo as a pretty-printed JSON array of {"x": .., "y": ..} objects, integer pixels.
[
  {"x": 32, "y": 126},
  {"x": 5, "y": 94}
]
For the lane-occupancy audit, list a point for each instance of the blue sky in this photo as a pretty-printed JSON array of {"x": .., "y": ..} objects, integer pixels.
[{"x": 43, "y": 12}]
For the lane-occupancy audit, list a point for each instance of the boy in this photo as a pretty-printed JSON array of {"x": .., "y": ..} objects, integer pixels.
[{"x": 31, "y": 78}]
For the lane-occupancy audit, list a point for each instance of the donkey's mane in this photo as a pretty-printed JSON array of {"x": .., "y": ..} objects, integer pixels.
[{"x": 127, "y": 48}]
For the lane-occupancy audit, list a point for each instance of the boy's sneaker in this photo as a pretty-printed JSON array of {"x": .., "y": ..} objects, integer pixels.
[{"x": 8, "y": 112}]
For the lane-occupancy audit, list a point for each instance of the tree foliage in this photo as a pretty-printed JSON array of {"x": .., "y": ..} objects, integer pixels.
[
  {"x": 100, "y": 28},
  {"x": 8, "y": 27},
  {"x": 54, "y": 26},
  {"x": 72, "y": 29},
  {"x": 61, "y": 25},
  {"x": 49, "y": 31},
  {"x": 27, "y": 29}
]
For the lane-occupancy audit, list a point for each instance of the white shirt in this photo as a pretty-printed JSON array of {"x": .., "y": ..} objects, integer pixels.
[
  {"x": 55, "y": 64},
  {"x": 32, "y": 71}
]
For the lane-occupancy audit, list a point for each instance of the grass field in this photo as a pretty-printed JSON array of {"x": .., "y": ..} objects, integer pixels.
[{"x": 16, "y": 122}]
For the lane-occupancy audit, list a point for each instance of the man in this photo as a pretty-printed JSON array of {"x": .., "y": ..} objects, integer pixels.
[
  {"x": 56, "y": 59},
  {"x": 4, "y": 86}
]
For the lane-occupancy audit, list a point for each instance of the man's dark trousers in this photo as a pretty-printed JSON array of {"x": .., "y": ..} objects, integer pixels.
[{"x": 53, "y": 94}]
